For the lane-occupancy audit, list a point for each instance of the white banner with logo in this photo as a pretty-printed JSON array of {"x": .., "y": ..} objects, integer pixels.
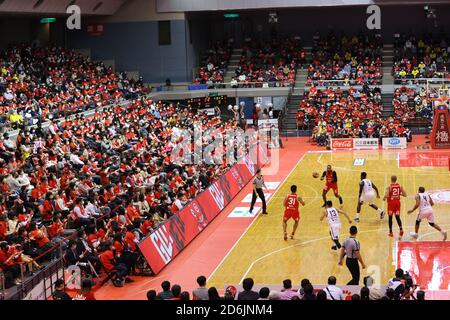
[
  {"x": 267, "y": 123},
  {"x": 394, "y": 143},
  {"x": 365, "y": 143}
]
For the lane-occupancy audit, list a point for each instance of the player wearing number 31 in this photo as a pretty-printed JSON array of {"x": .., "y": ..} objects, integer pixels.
[
  {"x": 291, "y": 204},
  {"x": 425, "y": 203}
]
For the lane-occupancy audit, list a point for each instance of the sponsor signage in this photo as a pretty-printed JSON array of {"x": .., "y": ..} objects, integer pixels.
[
  {"x": 394, "y": 143},
  {"x": 365, "y": 143},
  {"x": 440, "y": 136},
  {"x": 95, "y": 29},
  {"x": 165, "y": 243},
  {"x": 440, "y": 196},
  {"x": 342, "y": 144}
]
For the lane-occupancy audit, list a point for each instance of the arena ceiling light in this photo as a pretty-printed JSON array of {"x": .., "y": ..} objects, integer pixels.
[
  {"x": 231, "y": 15},
  {"x": 47, "y": 20}
]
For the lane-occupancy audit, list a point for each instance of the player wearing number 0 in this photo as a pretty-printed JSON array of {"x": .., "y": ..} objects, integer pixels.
[
  {"x": 291, "y": 203},
  {"x": 425, "y": 203},
  {"x": 367, "y": 193},
  {"x": 334, "y": 221},
  {"x": 392, "y": 196},
  {"x": 331, "y": 183}
]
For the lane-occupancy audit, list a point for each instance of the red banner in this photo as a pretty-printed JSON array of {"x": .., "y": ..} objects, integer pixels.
[
  {"x": 441, "y": 129},
  {"x": 95, "y": 29},
  {"x": 164, "y": 244},
  {"x": 342, "y": 144}
]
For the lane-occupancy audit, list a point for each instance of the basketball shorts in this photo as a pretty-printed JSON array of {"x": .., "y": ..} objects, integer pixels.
[
  {"x": 333, "y": 186},
  {"x": 426, "y": 215},
  {"x": 368, "y": 198},
  {"x": 291, "y": 214},
  {"x": 334, "y": 231},
  {"x": 393, "y": 208}
]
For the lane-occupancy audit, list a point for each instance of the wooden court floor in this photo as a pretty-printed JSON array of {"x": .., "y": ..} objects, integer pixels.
[{"x": 263, "y": 254}]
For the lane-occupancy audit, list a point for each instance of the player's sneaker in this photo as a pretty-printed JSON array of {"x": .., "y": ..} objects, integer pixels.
[
  {"x": 356, "y": 220},
  {"x": 444, "y": 234},
  {"x": 292, "y": 236},
  {"x": 414, "y": 235},
  {"x": 401, "y": 233},
  {"x": 381, "y": 215},
  {"x": 265, "y": 212},
  {"x": 250, "y": 211},
  {"x": 390, "y": 234},
  {"x": 285, "y": 237},
  {"x": 334, "y": 248}
]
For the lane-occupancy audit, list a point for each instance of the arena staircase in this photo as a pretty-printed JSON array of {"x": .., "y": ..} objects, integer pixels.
[
  {"x": 388, "y": 62},
  {"x": 300, "y": 81},
  {"x": 232, "y": 65},
  {"x": 289, "y": 126},
  {"x": 386, "y": 101}
]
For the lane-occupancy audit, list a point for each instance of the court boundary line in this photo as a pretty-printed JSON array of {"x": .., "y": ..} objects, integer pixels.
[
  {"x": 380, "y": 172},
  {"x": 255, "y": 218}
]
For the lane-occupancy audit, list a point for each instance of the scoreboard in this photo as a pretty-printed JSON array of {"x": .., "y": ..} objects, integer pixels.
[{"x": 208, "y": 102}]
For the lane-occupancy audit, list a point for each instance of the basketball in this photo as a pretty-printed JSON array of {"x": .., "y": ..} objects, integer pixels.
[{"x": 315, "y": 175}]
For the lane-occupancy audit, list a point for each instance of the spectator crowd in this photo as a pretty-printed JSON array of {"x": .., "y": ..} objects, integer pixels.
[
  {"x": 40, "y": 83},
  {"x": 268, "y": 63},
  {"x": 107, "y": 180},
  {"x": 348, "y": 60},
  {"x": 355, "y": 113},
  {"x": 420, "y": 57},
  {"x": 213, "y": 64},
  {"x": 398, "y": 288}
]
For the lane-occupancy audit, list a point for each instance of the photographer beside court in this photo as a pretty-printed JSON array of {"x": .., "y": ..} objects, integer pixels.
[{"x": 403, "y": 285}]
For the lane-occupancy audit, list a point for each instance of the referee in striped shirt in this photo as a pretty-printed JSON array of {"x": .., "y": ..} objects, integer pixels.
[
  {"x": 351, "y": 249},
  {"x": 258, "y": 184}
]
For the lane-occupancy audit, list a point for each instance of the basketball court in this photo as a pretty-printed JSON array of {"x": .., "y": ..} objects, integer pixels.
[
  {"x": 237, "y": 244},
  {"x": 263, "y": 254}
]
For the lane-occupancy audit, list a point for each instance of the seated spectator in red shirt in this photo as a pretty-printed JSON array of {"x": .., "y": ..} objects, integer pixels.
[
  {"x": 9, "y": 258},
  {"x": 39, "y": 236},
  {"x": 109, "y": 261}
]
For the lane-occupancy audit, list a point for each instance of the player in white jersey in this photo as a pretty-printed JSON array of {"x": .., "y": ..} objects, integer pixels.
[
  {"x": 334, "y": 221},
  {"x": 425, "y": 203},
  {"x": 367, "y": 194}
]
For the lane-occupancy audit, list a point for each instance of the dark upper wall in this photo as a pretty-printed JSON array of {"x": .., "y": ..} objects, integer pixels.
[
  {"x": 134, "y": 47},
  {"x": 305, "y": 22},
  {"x": 18, "y": 30}
]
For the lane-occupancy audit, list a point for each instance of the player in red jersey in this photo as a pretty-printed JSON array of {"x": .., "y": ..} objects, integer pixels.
[
  {"x": 291, "y": 204},
  {"x": 392, "y": 196},
  {"x": 331, "y": 183}
]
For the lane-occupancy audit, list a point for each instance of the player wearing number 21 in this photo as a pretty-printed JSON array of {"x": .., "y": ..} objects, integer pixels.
[{"x": 392, "y": 196}]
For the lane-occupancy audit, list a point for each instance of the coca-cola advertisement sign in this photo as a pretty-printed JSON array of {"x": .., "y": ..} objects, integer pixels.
[{"x": 342, "y": 144}]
